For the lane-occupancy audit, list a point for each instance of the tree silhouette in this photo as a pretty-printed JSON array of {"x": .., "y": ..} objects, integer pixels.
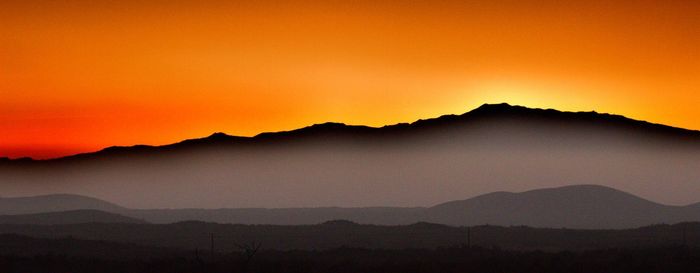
[{"x": 249, "y": 251}]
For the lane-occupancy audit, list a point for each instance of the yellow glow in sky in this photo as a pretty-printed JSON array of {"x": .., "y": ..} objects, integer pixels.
[{"x": 77, "y": 76}]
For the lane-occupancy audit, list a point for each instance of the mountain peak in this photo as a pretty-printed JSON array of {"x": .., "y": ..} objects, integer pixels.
[
  {"x": 568, "y": 192},
  {"x": 580, "y": 188},
  {"x": 488, "y": 106},
  {"x": 219, "y": 135},
  {"x": 577, "y": 206},
  {"x": 329, "y": 125}
]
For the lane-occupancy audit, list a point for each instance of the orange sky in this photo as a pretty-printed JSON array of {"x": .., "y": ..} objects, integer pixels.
[{"x": 77, "y": 76}]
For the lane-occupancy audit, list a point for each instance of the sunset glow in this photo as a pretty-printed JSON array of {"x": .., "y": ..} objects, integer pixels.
[{"x": 78, "y": 76}]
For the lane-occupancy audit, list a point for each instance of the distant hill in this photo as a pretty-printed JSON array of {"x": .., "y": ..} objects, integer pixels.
[
  {"x": 495, "y": 147},
  {"x": 53, "y": 203},
  {"x": 578, "y": 206},
  {"x": 284, "y": 216},
  {"x": 67, "y": 218}
]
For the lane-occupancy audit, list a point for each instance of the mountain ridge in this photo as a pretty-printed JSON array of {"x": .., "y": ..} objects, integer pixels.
[
  {"x": 578, "y": 206},
  {"x": 483, "y": 111},
  {"x": 491, "y": 148},
  {"x": 67, "y": 217},
  {"x": 54, "y": 203}
]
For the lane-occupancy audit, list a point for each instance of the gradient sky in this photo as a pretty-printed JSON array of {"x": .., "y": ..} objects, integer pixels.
[{"x": 77, "y": 76}]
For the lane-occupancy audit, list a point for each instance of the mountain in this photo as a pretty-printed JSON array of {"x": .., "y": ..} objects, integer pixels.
[
  {"x": 67, "y": 218},
  {"x": 284, "y": 216},
  {"x": 53, "y": 203},
  {"x": 485, "y": 113},
  {"x": 578, "y": 206},
  {"x": 489, "y": 149}
]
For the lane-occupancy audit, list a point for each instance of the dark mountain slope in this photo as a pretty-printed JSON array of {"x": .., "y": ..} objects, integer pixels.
[
  {"x": 579, "y": 206},
  {"x": 53, "y": 203},
  {"x": 582, "y": 206},
  {"x": 67, "y": 218},
  {"x": 492, "y": 148},
  {"x": 487, "y": 113}
]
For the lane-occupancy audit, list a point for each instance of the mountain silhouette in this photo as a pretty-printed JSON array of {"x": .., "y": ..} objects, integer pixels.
[
  {"x": 194, "y": 235},
  {"x": 491, "y": 148},
  {"x": 578, "y": 206},
  {"x": 67, "y": 218},
  {"x": 484, "y": 113},
  {"x": 53, "y": 203}
]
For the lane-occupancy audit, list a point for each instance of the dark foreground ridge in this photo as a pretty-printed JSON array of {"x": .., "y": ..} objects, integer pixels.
[
  {"x": 82, "y": 256},
  {"x": 335, "y": 234},
  {"x": 21, "y": 254},
  {"x": 486, "y": 112}
]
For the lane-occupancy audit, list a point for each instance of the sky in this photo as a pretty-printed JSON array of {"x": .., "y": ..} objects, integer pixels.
[{"x": 78, "y": 76}]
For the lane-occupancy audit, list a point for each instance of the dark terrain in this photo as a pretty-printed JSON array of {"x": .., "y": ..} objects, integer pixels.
[
  {"x": 454, "y": 259},
  {"x": 580, "y": 206},
  {"x": 67, "y": 217},
  {"x": 340, "y": 233},
  {"x": 185, "y": 247}
]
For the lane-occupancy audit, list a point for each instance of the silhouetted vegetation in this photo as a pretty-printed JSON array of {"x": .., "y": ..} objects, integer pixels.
[
  {"x": 338, "y": 247},
  {"x": 341, "y": 260},
  {"x": 334, "y": 234}
]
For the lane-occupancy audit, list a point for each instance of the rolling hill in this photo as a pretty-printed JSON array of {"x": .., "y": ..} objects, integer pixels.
[
  {"x": 53, "y": 203},
  {"x": 67, "y": 218},
  {"x": 579, "y": 206}
]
